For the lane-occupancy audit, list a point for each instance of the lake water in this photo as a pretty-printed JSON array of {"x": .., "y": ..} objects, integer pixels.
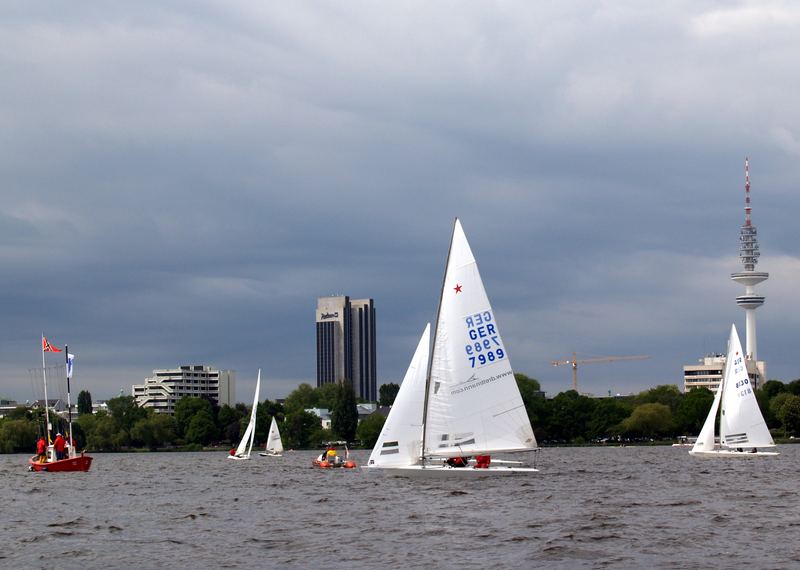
[{"x": 629, "y": 507}]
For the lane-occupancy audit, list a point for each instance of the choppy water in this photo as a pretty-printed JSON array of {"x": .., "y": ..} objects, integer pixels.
[{"x": 625, "y": 507}]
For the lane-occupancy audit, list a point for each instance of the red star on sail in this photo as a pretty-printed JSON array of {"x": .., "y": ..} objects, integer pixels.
[{"x": 457, "y": 288}]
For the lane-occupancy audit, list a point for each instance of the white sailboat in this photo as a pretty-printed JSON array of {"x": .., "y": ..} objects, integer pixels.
[
  {"x": 742, "y": 427},
  {"x": 463, "y": 401},
  {"x": 246, "y": 445},
  {"x": 274, "y": 444}
]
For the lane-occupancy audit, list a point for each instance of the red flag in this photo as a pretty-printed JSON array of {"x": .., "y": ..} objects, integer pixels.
[{"x": 47, "y": 347}]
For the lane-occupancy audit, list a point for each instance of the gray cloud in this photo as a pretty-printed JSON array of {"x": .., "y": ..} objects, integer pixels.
[{"x": 181, "y": 181}]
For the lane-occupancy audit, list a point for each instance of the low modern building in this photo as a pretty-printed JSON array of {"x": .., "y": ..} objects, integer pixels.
[
  {"x": 708, "y": 373},
  {"x": 166, "y": 387}
]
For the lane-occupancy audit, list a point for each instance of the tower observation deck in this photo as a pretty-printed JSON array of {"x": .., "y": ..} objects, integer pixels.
[{"x": 748, "y": 255}]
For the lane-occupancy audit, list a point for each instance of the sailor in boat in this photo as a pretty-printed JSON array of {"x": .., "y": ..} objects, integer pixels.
[
  {"x": 60, "y": 444},
  {"x": 331, "y": 456},
  {"x": 483, "y": 461},
  {"x": 458, "y": 461},
  {"x": 41, "y": 449}
]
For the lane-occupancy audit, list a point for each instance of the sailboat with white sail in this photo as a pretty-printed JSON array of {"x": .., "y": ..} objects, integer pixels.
[
  {"x": 742, "y": 426},
  {"x": 274, "y": 444},
  {"x": 246, "y": 445},
  {"x": 459, "y": 403}
]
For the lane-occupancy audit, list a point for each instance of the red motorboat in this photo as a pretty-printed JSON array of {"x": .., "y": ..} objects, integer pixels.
[{"x": 80, "y": 462}]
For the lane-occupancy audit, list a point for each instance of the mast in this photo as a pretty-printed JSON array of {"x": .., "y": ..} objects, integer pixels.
[
  {"x": 69, "y": 403},
  {"x": 433, "y": 348},
  {"x": 46, "y": 411}
]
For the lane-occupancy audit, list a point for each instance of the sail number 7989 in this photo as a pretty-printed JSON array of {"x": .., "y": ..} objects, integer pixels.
[{"x": 485, "y": 345}]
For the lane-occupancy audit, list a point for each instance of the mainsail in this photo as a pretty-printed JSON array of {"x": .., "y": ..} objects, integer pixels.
[
  {"x": 473, "y": 402},
  {"x": 274, "y": 443},
  {"x": 246, "y": 445}
]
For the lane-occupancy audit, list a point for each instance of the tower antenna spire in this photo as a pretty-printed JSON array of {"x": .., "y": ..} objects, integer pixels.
[{"x": 748, "y": 255}]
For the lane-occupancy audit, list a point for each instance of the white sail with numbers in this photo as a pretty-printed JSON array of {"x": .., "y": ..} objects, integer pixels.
[
  {"x": 474, "y": 404},
  {"x": 246, "y": 445}
]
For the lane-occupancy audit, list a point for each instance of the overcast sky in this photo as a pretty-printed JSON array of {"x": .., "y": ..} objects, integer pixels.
[{"x": 180, "y": 181}]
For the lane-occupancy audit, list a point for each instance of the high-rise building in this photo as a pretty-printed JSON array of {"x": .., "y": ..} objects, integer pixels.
[
  {"x": 346, "y": 344},
  {"x": 167, "y": 386}
]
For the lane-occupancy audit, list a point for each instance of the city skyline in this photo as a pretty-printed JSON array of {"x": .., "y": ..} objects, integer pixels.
[{"x": 181, "y": 182}]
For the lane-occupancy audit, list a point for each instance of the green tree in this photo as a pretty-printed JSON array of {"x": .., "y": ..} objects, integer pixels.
[
  {"x": 327, "y": 394},
  {"x": 528, "y": 382},
  {"x": 692, "y": 411},
  {"x": 387, "y": 393},
  {"x": 787, "y": 410},
  {"x": 201, "y": 428},
  {"x": 125, "y": 413},
  {"x": 773, "y": 387},
  {"x": 607, "y": 413},
  {"x": 84, "y": 402},
  {"x": 187, "y": 408},
  {"x": 570, "y": 415},
  {"x": 369, "y": 429},
  {"x": 20, "y": 413},
  {"x": 301, "y": 398},
  {"x": 299, "y": 429},
  {"x": 228, "y": 422},
  {"x": 99, "y": 430},
  {"x": 794, "y": 387},
  {"x": 667, "y": 394},
  {"x": 344, "y": 414},
  {"x": 154, "y": 431},
  {"x": 649, "y": 420},
  {"x": 17, "y": 436}
]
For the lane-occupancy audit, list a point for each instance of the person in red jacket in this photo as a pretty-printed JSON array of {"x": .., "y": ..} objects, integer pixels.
[
  {"x": 60, "y": 444},
  {"x": 41, "y": 449}
]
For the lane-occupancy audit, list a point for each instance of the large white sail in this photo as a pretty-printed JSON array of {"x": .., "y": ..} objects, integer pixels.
[
  {"x": 741, "y": 422},
  {"x": 274, "y": 443},
  {"x": 246, "y": 445},
  {"x": 474, "y": 404},
  {"x": 400, "y": 441}
]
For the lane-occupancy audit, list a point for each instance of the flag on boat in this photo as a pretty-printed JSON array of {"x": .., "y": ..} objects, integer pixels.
[
  {"x": 70, "y": 358},
  {"x": 47, "y": 347}
]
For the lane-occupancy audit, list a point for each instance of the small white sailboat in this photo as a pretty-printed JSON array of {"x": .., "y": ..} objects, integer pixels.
[
  {"x": 458, "y": 400},
  {"x": 742, "y": 427},
  {"x": 274, "y": 444},
  {"x": 246, "y": 445}
]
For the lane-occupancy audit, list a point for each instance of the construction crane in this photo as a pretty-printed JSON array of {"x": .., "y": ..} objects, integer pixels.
[{"x": 574, "y": 362}]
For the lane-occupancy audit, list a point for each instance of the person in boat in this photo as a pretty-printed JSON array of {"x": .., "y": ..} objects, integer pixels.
[
  {"x": 232, "y": 451},
  {"x": 41, "y": 449},
  {"x": 59, "y": 445},
  {"x": 482, "y": 461},
  {"x": 331, "y": 456},
  {"x": 458, "y": 461}
]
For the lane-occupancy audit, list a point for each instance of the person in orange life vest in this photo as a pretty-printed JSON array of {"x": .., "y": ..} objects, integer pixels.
[
  {"x": 41, "y": 449},
  {"x": 59, "y": 444}
]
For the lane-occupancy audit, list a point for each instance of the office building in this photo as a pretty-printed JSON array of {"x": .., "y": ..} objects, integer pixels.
[{"x": 346, "y": 344}]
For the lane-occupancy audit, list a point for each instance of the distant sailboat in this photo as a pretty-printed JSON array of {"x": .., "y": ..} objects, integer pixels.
[
  {"x": 462, "y": 400},
  {"x": 742, "y": 427},
  {"x": 274, "y": 444},
  {"x": 246, "y": 445}
]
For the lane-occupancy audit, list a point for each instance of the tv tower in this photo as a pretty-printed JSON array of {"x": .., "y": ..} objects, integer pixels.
[{"x": 748, "y": 254}]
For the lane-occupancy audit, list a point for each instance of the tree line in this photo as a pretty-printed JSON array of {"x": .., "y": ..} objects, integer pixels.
[{"x": 662, "y": 412}]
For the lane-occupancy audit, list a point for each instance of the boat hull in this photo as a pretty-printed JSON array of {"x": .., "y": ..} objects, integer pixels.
[
  {"x": 239, "y": 458},
  {"x": 731, "y": 453},
  {"x": 263, "y": 454},
  {"x": 418, "y": 471},
  {"x": 330, "y": 465},
  {"x": 78, "y": 463}
]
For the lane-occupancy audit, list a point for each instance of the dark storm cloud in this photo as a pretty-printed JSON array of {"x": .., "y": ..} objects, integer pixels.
[{"x": 181, "y": 181}]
